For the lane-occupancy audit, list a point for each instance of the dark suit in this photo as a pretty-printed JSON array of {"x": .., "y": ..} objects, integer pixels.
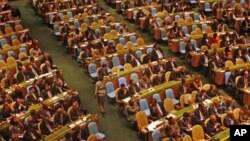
[
  {"x": 154, "y": 55},
  {"x": 197, "y": 117},
  {"x": 211, "y": 129},
  {"x": 157, "y": 110},
  {"x": 170, "y": 65},
  {"x": 182, "y": 74},
  {"x": 201, "y": 98},
  {"x": 159, "y": 68},
  {"x": 32, "y": 73},
  {"x": 31, "y": 99},
  {"x": 47, "y": 94},
  {"x": 133, "y": 89},
  {"x": 186, "y": 125},
  {"x": 189, "y": 48},
  {"x": 135, "y": 62},
  {"x": 122, "y": 94},
  {"x": 156, "y": 81},
  {"x": 61, "y": 119},
  {"x": 102, "y": 72},
  {"x": 213, "y": 110},
  {"x": 242, "y": 83},
  {"x": 229, "y": 121},
  {"x": 45, "y": 130},
  {"x": 20, "y": 77},
  {"x": 46, "y": 69},
  {"x": 75, "y": 113},
  {"x": 144, "y": 84},
  {"x": 129, "y": 57},
  {"x": 56, "y": 90}
]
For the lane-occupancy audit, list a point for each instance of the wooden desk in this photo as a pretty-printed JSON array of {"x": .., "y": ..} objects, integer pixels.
[
  {"x": 148, "y": 8},
  {"x": 37, "y": 107},
  {"x": 220, "y": 72},
  {"x": 82, "y": 122},
  {"x": 246, "y": 96}
]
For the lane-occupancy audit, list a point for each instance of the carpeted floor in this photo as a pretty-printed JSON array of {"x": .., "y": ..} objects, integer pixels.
[{"x": 115, "y": 126}]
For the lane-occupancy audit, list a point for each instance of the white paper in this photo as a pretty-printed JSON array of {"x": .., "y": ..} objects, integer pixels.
[{"x": 126, "y": 100}]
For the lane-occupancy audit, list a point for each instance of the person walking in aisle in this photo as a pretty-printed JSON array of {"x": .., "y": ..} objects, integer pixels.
[{"x": 100, "y": 94}]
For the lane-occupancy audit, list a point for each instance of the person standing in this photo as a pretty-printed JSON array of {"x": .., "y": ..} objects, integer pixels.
[{"x": 100, "y": 94}]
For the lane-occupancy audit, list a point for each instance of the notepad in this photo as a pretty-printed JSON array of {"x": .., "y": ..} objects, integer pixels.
[
  {"x": 78, "y": 122},
  {"x": 153, "y": 125},
  {"x": 126, "y": 100},
  {"x": 72, "y": 125}
]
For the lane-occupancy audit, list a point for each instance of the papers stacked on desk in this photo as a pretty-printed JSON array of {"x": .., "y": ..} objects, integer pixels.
[
  {"x": 171, "y": 115},
  {"x": 72, "y": 125},
  {"x": 207, "y": 102},
  {"x": 153, "y": 125},
  {"x": 126, "y": 100},
  {"x": 78, "y": 122},
  {"x": 195, "y": 106}
]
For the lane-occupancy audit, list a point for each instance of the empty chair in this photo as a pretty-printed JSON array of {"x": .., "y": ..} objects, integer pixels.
[
  {"x": 196, "y": 17},
  {"x": 69, "y": 13},
  {"x": 8, "y": 30},
  {"x": 187, "y": 138},
  {"x": 110, "y": 90},
  {"x": 156, "y": 135},
  {"x": 149, "y": 50},
  {"x": 60, "y": 16},
  {"x": 203, "y": 27},
  {"x": 140, "y": 42},
  {"x": 117, "y": 27},
  {"x": 122, "y": 80},
  {"x": 116, "y": 62},
  {"x": 186, "y": 15},
  {"x": 15, "y": 42},
  {"x": 170, "y": 94},
  {"x": 11, "y": 61},
  {"x": 158, "y": 21},
  {"x": 185, "y": 30},
  {"x": 92, "y": 70},
  {"x": 51, "y": 17},
  {"x": 194, "y": 27},
  {"x": 87, "y": 21},
  {"x": 128, "y": 67},
  {"x": 132, "y": 38},
  {"x": 229, "y": 63},
  {"x": 134, "y": 77},
  {"x": 56, "y": 30},
  {"x": 122, "y": 41},
  {"x": 164, "y": 35},
  {"x": 93, "y": 130},
  {"x": 193, "y": 42},
  {"x": 10, "y": 53},
  {"x": 198, "y": 133},
  {"x": 107, "y": 29},
  {"x": 242, "y": 2},
  {"x": 144, "y": 106},
  {"x": 182, "y": 45},
  {"x": 168, "y": 19},
  {"x": 95, "y": 19},
  {"x": 193, "y": 2},
  {"x": 3, "y": 42},
  {"x": 142, "y": 120},
  {"x": 176, "y": 18},
  {"x": 138, "y": 54},
  {"x": 2, "y": 64},
  {"x": 227, "y": 75},
  {"x": 77, "y": 24},
  {"x": 207, "y": 8},
  {"x": 23, "y": 49},
  {"x": 13, "y": 37},
  {"x": 169, "y": 105},
  {"x": 153, "y": 11},
  {"x": 157, "y": 97},
  {"x": 98, "y": 31},
  {"x": 22, "y": 56}
]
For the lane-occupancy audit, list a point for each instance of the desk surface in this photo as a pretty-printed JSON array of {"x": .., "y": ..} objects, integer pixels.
[{"x": 58, "y": 134}]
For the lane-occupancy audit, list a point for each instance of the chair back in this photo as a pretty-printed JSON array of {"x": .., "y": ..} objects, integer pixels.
[
  {"x": 157, "y": 97},
  {"x": 115, "y": 70},
  {"x": 193, "y": 96},
  {"x": 167, "y": 76},
  {"x": 229, "y": 63},
  {"x": 239, "y": 61},
  {"x": 156, "y": 135},
  {"x": 143, "y": 104},
  {"x": 92, "y": 127},
  {"x": 116, "y": 61},
  {"x": 92, "y": 68},
  {"x": 140, "y": 41},
  {"x": 109, "y": 87},
  {"x": 134, "y": 76},
  {"x": 198, "y": 132},
  {"x": 169, "y": 93},
  {"x": 132, "y": 38},
  {"x": 11, "y": 60},
  {"x": 222, "y": 119},
  {"x": 182, "y": 103},
  {"x": 127, "y": 67},
  {"x": 236, "y": 113},
  {"x": 206, "y": 87},
  {"x": 168, "y": 105},
  {"x": 92, "y": 138},
  {"x": 142, "y": 119},
  {"x": 129, "y": 45},
  {"x": 227, "y": 75},
  {"x": 122, "y": 80},
  {"x": 119, "y": 47},
  {"x": 187, "y": 138}
]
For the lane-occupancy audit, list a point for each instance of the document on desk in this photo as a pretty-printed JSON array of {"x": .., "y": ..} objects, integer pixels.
[
  {"x": 78, "y": 122},
  {"x": 153, "y": 125},
  {"x": 72, "y": 125},
  {"x": 195, "y": 106},
  {"x": 207, "y": 102},
  {"x": 151, "y": 89},
  {"x": 126, "y": 100}
]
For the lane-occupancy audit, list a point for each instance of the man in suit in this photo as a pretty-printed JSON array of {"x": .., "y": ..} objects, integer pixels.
[
  {"x": 47, "y": 93},
  {"x": 230, "y": 119},
  {"x": 31, "y": 134},
  {"x": 200, "y": 115},
  {"x": 156, "y": 54},
  {"x": 61, "y": 118},
  {"x": 123, "y": 92},
  {"x": 157, "y": 80},
  {"x": 205, "y": 40},
  {"x": 205, "y": 59},
  {"x": 135, "y": 62},
  {"x": 20, "y": 75},
  {"x": 56, "y": 87},
  {"x": 133, "y": 88},
  {"x": 201, "y": 96},
  {"x": 213, "y": 91},
  {"x": 159, "y": 68},
  {"x": 213, "y": 126},
  {"x": 189, "y": 48},
  {"x": 183, "y": 88},
  {"x": 144, "y": 82},
  {"x": 186, "y": 123},
  {"x": 243, "y": 82},
  {"x": 32, "y": 72},
  {"x": 75, "y": 111},
  {"x": 245, "y": 25},
  {"x": 171, "y": 65},
  {"x": 31, "y": 97},
  {"x": 215, "y": 109},
  {"x": 156, "y": 110},
  {"x": 47, "y": 126},
  {"x": 183, "y": 73},
  {"x": 47, "y": 67},
  {"x": 217, "y": 59},
  {"x": 129, "y": 56},
  {"x": 246, "y": 56}
]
